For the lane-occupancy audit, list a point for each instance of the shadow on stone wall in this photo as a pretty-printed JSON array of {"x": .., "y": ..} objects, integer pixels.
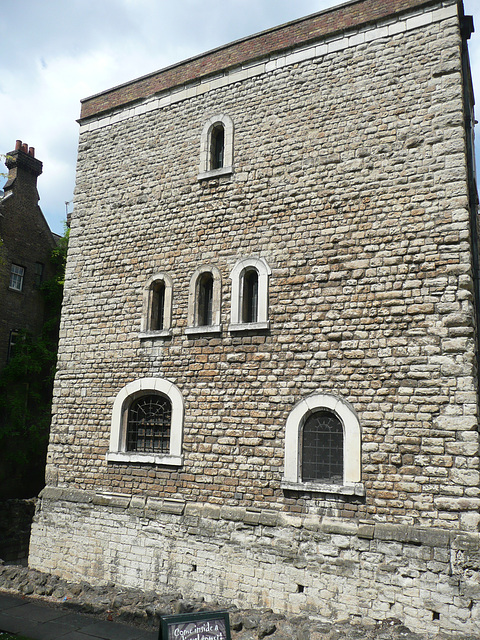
[{"x": 15, "y": 524}]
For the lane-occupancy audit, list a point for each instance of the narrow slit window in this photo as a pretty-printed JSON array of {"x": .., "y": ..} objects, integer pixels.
[
  {"x": 250, "y": 296},
  {"x": 205, "y": 300},
  {"x": 158, "y": 306},
  {"x": 322, "y": 448},
  {"x": 218, "y": 147}
]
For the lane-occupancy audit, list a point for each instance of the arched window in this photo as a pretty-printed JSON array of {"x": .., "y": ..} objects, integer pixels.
[
  {"x": 157, "y": 306},
  {"x": 250, "y": 295},
  {"x": 216, "y": 147},
  {"x": 204, "y": 301},
  {"x": 323, "y": 447},
  {"x": 157, "y": 320},
  {"x": 147, "y": 423}
]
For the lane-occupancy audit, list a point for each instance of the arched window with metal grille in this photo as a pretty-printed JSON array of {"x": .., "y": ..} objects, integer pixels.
[
  {"x": 148, "y": 424},
  {"x": 322, "y": 448}
]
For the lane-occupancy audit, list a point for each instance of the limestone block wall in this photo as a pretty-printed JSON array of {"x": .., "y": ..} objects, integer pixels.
[{"x": 330, "y": 568}]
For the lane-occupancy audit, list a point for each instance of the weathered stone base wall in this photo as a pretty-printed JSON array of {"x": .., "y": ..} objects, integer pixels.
[
  {"x": 428, "y": 578},
  {"x": 15, "y": 523}
]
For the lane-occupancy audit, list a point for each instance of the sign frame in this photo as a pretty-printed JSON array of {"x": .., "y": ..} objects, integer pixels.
[{"x": 178, "y": 621}]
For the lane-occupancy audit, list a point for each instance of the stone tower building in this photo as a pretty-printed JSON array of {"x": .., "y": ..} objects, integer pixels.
[{"x": 267, "y": 387}]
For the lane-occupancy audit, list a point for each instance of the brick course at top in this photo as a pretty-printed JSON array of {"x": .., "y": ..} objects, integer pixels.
[{"x": 314, "y": 27}]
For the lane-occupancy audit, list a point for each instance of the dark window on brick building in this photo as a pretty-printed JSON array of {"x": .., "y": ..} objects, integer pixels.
[
  {"x": 322, "y": 448},
  {"x": 148, "y": 424},
  {"x": 38, "y": 274},
  {"x": 17, "y": 275},
  {"x": 12, "y": 341}
]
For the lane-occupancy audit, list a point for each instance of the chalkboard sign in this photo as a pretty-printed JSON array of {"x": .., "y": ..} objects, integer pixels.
[{"x": 213, "y": 625}]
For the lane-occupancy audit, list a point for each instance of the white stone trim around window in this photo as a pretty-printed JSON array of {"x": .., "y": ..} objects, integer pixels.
[
  {"x": 144, "y": 386},
  {"x": 207, "y": 168},
  {"x": 351, "y": 445},
  {"x": 148, "y": 325},
  {"x": 194, "y": 322},
  {"x": 237, "y": 275}
]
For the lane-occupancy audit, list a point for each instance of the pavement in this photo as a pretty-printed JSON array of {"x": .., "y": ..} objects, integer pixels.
[{"x": 39, "y": 620}]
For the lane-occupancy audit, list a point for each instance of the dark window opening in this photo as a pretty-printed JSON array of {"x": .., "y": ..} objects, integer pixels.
[
  {"x": 158, "y": 306},
  {"x": 322, "y": 448},
  {"x": 218, "y": 147},
  {"x": 148, "y": 424},
  {"x": 205, "y": 300},
  {"x": 12, "y": 341},
  {"x": 38, "y": 275},
  {"x": 250, "y": 296}
]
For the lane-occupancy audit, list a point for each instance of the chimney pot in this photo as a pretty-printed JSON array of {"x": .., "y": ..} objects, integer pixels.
[
  {"x": 18, "y": 145},
  {"x": 25, "y": 147},
  {"x": 31, "y": 151}
]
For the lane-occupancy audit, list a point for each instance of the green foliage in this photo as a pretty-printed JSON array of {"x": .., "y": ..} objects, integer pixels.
[{"x": 26, "y": 386}]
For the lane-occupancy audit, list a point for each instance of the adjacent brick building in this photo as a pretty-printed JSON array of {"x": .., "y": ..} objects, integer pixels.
[
  {"x": 26, "y": 245},
  {"x": 267, "y": 386}
]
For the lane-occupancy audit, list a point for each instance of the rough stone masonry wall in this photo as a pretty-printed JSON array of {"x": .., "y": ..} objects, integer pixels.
[
  {"x": 350, "y": 181},
  {"x": 328, "y": 568}
]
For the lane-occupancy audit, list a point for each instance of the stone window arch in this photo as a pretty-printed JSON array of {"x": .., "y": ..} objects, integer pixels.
[
  {"x": 204, "y": 300},
  {"x": 147, "y": 423},
  {"x": 323, "y": 446},
  {"x": 157, "y": 306},
  {"x": 216, "y": 147},
  {"x": 250, "y": 278}
]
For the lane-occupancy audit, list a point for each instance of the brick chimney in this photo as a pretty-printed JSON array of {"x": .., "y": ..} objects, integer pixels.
[{"x": 23, "y": 169}]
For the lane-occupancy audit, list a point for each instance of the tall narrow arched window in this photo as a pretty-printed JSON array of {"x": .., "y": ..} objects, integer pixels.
[
  {"x": 204, "y": 301},
  {"x": 157, "y": 321},
  {"x": 157, "y": 306},
  {"x": 250, "y": 296},
  {"x": 216, "y": 147}
]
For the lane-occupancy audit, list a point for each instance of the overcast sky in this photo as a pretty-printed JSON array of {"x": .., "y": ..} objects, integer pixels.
[{"x": 56, "y": 52}]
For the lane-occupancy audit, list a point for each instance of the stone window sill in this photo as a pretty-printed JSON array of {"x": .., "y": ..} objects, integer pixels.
[
  {"x": 133, "y": 457},
  {"x": 153, "y": 335},
  {"x": 248, "y": 326},
  {"x": 207, "y": 329},
  {"x": 215, "y": 173},
  {"x": 354, "y": 489}
]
